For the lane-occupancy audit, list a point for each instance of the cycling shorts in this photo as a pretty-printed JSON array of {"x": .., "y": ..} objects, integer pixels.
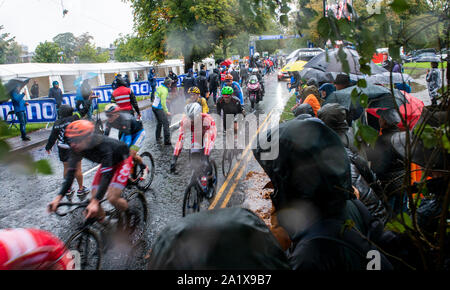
[
  {"x": 120, "y": 177},
  {"x": 134, "y": 141}
]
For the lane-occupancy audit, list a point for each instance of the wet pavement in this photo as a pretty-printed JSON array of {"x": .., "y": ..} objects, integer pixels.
[{"x": 23, "y": 198}]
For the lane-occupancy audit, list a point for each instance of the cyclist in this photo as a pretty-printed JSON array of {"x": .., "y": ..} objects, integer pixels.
[
  {"x": 195, "y": 96},
  {"x": 132, "y": 132},
  {"x": 125, "y": 98},
  {"x": 229, "y": 104},
  {"x": 112, "y": 176},
  {"x": 237, "y": 91},
  {"x": 33, "y": 249},
  {"x": 257, "y": 73},
  {"x": 66, "y": 116},
  {"x": 207, "y": 135}
]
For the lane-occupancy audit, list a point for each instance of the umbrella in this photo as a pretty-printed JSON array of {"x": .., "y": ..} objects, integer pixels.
[
  {"x": 320, "y": 76},
  {"x": 411, "y": 110},
  {"x": 227, "y": 62},
  {"x": 334, "y": 64},
  {"x": 379, "y": 97},
  {"x": 385, "y": 78},
  {"x": 86, "y": 76},
  {"x": 12, "y": 84},
  {"x": 296, "y": 66}
]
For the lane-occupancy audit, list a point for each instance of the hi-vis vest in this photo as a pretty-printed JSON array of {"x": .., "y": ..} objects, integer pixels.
[{"x": 122, "y": 97}]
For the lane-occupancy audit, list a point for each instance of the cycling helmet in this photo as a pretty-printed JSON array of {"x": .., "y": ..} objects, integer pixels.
[
  {"x": 80, "y": 128},
  {"x": 55, "y": 83},
  {"x": 226, "y": 91},
  {"x": 65, "y": 111},
  {"x": 255, "y": 70},
  {"x": 194, "y": 90},
  {"x": 193, "y": 109},
  {"x": 120, "y": 82},
  {"x": 228, "y": 77},
  {"x": 111, "y": 108}
]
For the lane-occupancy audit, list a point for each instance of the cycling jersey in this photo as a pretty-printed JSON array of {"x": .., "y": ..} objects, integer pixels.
[
  {"x": 103, "y": 150},
  {"x": 125, "y": 99},
  {"x": 233, "y": 107},
  {"x": 160, "y": 102},
  {"x": 204, "y": 103},
  {"x": 209, "y": 133},
  {"x": 33, "y": 249},
  {"x": 132, "y": 131},
  {"x": 237, "y": 91}
]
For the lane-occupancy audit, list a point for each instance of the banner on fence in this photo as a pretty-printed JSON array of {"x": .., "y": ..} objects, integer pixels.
[{"x": 38, "y": 111}]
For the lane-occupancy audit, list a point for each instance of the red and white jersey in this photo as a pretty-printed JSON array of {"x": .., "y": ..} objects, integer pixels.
[
  {"x": 122, "y": 97},
  {"x": 33, "y": 249},
  {"x": 209, "y": 133}
]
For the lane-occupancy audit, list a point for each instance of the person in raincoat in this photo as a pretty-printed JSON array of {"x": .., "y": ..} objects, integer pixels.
[
  {"x": 220, "y": 239},
  {"x": 313, "y": 199},
  {"x": 434, "y": 82},
  {"x": 19, "y": 105}
]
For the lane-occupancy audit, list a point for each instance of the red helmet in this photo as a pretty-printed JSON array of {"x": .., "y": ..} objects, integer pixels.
[
  {"x": 228, "y": 77},
  {"x": 80, "y": 128}
]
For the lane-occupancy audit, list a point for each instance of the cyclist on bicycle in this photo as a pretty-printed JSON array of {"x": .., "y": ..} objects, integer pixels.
[
  {"x": 33, "y": 249},
  {"x": 200, "y": 140},
  {"x": 112, "y": 176},
  {"x": 229, "y": 104},
  {"x": 194, "y": 94},
  {"x": 237, "y": 90},
  {"x": 132, "y": 132}
]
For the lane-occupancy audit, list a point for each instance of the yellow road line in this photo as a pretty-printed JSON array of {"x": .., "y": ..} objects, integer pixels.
[
  {"x": 230, "y": 176},
  {"x": 238, "y": 177}
]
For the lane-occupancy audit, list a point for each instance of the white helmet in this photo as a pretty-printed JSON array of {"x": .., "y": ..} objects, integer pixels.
[
  {"x": 256, "y": 54},
  {"x": 193, "y": 109},
  {"x": 255, "y": 70}
]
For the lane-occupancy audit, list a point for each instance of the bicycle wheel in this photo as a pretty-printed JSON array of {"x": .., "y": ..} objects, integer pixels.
[
  {"x": 144, "y": 184},
  {"x": 215, "y": 177},
  {"x": 89, "y": 246},
  {"x": 137, "y": 216},
  {"x": 227, "y": 162},
  {"x": 191, "y": 201}
]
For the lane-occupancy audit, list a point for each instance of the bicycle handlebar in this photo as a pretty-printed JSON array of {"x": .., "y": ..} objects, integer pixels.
[{"x": 70, "y": 204}]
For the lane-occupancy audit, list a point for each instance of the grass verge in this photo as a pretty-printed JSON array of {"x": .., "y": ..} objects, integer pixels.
[{"x": 287, "y": 114}]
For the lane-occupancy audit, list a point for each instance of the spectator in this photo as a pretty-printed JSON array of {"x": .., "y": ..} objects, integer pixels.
[
  {"x": 397, "y": 68},
  {"x": 214, "y": 83},
  {"x": 386, "y": 162},
  {"x": 174, "y": 78},
  {"x": 19, "y": 105},
  {"x": 152, "y": 81},
  {"x": 434, "y": 82},
  {"x": 235, "y": 74},
  {"x": 363, "y": 179},
  {"x": 161, "y": 111},
  {"x": 202, "y": 83},
  {"x": 34, "y": 90},
  {"x": 313, "y": 199},
  {"x": 188, "y": 82},
  {"x": 56, "y": 93},
  {"x": 114, "y": 83},
  {"x": 312, "y": 82},
  {"x": 127, "y": 80},
  {"x": 326, "y": 89},
  {"x": 342, "y": 81}
]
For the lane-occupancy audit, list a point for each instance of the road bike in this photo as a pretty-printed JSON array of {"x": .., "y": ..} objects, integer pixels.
[{"x": 200, "y": 183}]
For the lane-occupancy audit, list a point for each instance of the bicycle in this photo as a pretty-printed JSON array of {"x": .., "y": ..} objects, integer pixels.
[
  {"x": 89, "y": 243},
  {"x": 229, "y": 155},
  {"x": 199, "y": 186},
  {"x": 137, "y": 177}
]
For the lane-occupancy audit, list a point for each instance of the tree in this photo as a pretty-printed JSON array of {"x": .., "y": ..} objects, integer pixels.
[
  {"x": 5, "y": 41},
  {"x": 68, "y": 42},
  {"x": 13, "y": 53},
  {"x": 129, "y": 48},
  {"x": 89, "y": 54},
  {"x": 47, "y": 52},
  {"x": 195, "y": 28}
]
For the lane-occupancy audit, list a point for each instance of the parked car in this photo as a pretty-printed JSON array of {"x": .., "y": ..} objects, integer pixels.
[
  {"x": 282, "y": 75},
  {"x": 427, "y": 57}
]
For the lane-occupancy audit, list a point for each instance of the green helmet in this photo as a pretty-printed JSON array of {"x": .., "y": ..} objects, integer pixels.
[{"x": 227, "y": 91}]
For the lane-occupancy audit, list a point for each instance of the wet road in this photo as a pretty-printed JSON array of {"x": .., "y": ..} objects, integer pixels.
[{"x": 23, "y": 198}]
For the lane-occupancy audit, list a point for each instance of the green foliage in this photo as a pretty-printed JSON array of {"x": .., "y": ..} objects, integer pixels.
[
  {"x": 129, "y": 48},
  {"x": 89, "y": 54},
  {"x": 67, "y": 42},
  {"x": 3, "y": 94},
  {"x": 47, "y": 52},
  {"x": 366, "y": 133},
  {"x": 5, "y": 43},
  {"x": 397, "y": 225}
]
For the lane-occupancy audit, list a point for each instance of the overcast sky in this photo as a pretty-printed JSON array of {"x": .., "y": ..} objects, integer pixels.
[{"x": 34, "y": 21}]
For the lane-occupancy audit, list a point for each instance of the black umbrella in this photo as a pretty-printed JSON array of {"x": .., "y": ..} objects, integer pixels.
[
  {"x": 335, "y": 65},
  {"x": 379, "y": 97},
  {"x": 320, "y": 76},
  {"x": 13, "y": 83}
]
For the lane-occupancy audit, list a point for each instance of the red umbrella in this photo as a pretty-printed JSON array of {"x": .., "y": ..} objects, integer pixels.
[
  {"x": 411, "y": 111},
  {"x": 227, "y": 62}
]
